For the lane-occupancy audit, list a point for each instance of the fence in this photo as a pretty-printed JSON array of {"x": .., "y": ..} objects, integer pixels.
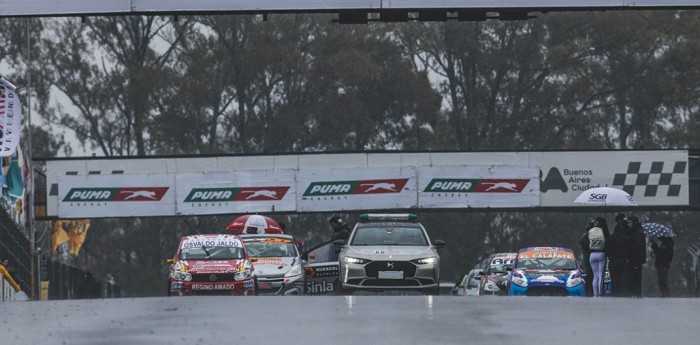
[
  {"x": 15, "y": 247},
  {"x": 68, "y": 282}
]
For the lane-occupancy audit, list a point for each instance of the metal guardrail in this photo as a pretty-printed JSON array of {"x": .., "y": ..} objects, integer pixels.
[{"x": 9, "y": 289}]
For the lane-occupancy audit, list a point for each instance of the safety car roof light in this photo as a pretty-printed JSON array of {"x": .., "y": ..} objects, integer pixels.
[{"x": 388, "y": 216}]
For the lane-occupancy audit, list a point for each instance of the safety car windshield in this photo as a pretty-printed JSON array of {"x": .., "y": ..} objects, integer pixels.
[{"x": 387, "y": 235}]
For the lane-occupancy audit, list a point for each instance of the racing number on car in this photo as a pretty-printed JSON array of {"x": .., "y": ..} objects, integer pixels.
[{"x": 502, "y": 261}]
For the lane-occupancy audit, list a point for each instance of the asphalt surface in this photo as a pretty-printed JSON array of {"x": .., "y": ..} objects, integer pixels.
[{"x": 353, "y": 320}]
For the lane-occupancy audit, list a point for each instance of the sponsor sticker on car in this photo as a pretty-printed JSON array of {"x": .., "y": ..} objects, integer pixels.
[
  {"x": 321, "y": 280},
  {"x": 546, "y": 254}
]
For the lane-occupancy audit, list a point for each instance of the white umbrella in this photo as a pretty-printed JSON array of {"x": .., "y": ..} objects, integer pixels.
[{"x": 605, "y": 196}]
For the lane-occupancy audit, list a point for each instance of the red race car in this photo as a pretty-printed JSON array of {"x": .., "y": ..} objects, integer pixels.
[{"x": 214, "y": 264}]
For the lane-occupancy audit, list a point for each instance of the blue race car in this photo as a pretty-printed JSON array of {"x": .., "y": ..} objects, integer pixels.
[{"x": 545, "y": 271}]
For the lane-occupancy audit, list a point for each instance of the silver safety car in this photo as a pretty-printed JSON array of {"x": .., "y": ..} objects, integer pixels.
[{"x": 389, "y": 252}]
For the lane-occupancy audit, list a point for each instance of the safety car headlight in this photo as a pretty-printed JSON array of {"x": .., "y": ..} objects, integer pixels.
[
  {"x": 423, "y": 261},
  {"x": 351, "y": 260}
]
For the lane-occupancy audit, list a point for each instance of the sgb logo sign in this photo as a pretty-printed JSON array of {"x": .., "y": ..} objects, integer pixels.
[{"x": 599, "y": 196}]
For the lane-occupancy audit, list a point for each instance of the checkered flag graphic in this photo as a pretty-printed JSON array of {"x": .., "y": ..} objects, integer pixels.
[{"x": 653, "y": 181}]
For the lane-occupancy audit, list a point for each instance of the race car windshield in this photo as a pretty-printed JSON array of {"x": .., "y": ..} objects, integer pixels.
[
  {"x": 212, "y": 253},
  {"x": 500, "y": 264},
  {"x": 271, "y": 249},
  {"x": 547, "y": 264},
  {"x": 398, "y": 236},
  {"x": 493, "y": 269}
]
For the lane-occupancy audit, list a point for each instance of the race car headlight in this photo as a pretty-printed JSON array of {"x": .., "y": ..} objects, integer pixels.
[
  {"x": 423, "y": 261},
  {"x": 574, "y": 279},
  {"x": 519, "y": 279},
  {"x": 491, "y": 287},
  {"x": 243, "y": 275},
  {"x": 351, "y": 260},
  {"x": 295, "y": 271},
  {"x": 182, "y": 276}
]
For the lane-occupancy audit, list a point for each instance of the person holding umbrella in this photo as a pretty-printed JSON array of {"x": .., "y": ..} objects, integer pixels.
[
  {"x": 661, "y": 240},
  {"x": 663, "y": 252}
]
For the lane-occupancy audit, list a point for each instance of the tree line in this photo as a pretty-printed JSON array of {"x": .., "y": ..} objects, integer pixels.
[{"x": 224, "y": 84}]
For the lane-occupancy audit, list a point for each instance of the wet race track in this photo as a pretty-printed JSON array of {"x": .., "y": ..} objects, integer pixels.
[{"x": 353, "y": 320}]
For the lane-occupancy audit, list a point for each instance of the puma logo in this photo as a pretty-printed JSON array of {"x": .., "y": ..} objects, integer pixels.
[
  {"x": 381, "y": 185},
  {"x": 501, "y": 185},
  {"x": 265, "y": 193},
  {"x": 148, "y": 194}
]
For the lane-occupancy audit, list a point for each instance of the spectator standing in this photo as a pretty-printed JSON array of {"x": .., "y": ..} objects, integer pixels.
[
  {"x": 663, "y": 253},
  {"x": 619, "y": 250},
  {"x": 603, "y": 224},
  {"x": 598, "y": 235},
  {"x": 10, "y": 270},
  {"x": 585, "y": 248},
  {"x": 638, "y": 255},
  {"x": 341, "y": 230}
]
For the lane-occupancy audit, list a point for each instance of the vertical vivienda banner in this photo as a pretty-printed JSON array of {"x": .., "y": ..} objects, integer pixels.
[{"x": 10, "y": 118}]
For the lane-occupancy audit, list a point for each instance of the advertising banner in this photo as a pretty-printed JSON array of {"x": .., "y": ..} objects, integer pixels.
[
  {"x": 460, "y": 186},
  {"x": 94, "y": 196},
  {"x": 356, "y": 189},
  {"x": 246, "y": 191},
  {"x": 362, "y": 181},
  {"x": 652, "y": 178},
  {"x": 321, "y": 279}
]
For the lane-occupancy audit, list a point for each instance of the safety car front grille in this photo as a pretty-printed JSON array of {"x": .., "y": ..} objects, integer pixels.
[
  {"x": 372, "y": 269},
  {"x": 390, "y": 282}
]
